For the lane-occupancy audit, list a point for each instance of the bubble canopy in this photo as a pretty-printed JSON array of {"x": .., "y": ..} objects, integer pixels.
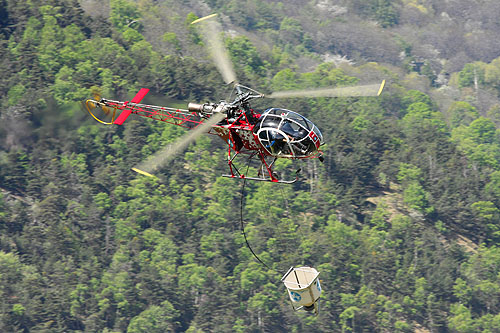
[{"x": 284, "y": 133}]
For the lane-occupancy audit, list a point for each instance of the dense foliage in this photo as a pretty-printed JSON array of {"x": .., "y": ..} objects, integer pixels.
[{"x": 402, "y": 219}]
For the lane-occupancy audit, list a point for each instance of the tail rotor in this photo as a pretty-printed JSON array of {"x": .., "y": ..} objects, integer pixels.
[{"x": 98, "y": 110}]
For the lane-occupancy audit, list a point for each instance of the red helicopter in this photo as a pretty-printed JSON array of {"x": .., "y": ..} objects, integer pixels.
[{"x": 272, "y": 134}]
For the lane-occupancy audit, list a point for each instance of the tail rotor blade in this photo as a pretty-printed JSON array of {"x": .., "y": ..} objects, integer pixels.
[
  {"x": 211, "y": 33},
  {"x": 354, "y": 91},
  {"x": 96, "y": 95},
  {"x": 163, "y": 156},
  {"x": 100, "y": 112}
]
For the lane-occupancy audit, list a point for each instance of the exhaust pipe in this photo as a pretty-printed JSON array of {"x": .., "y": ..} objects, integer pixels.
[{"x": 201, "y": 108}]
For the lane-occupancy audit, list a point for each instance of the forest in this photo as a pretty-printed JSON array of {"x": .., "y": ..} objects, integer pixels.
[{"x": 402, "y": 220}]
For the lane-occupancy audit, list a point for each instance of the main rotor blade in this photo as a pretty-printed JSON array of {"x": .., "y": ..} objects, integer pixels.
[
  {"x": 163, "y": 156},
  {"x": 211, "y": 33},
  {"x": 354, "y": 91}
]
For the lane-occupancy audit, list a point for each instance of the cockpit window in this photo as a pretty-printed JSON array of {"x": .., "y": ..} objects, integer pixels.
[
  {"x": 271, "y": 121},
  {"x": 293, "y": 129},
  {"x": 300, "y": 120},
  {"x": 276, "y": 111},
  {"x": 286, "y": 133}
]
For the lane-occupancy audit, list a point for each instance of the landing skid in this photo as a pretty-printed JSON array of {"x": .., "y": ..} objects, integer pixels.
[{"x": 263, "y": 179}]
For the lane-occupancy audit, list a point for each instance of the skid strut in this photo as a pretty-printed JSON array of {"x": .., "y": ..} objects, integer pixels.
[{"x": 265, "y": 168}]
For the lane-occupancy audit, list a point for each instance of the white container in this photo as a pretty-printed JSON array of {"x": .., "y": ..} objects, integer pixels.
[{"x": 303, "y": 287}]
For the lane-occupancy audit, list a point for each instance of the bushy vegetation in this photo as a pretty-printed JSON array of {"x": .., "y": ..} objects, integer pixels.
[{"x": 402, "y": 219}]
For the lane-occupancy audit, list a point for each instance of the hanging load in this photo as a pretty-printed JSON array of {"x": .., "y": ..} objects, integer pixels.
[{"x": 303, "y": 288}]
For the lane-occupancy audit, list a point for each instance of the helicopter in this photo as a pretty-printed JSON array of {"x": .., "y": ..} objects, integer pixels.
[{"x": 267, "y": 136}]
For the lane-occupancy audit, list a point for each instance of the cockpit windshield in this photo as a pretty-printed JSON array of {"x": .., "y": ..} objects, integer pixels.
[{"x": 284, "y": 133}]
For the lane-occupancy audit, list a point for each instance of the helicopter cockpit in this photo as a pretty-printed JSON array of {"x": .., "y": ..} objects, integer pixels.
[{"x": 284, "y": 133}]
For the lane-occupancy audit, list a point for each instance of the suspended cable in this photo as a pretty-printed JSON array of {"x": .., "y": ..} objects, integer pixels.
[{"x": 242, "y": 225}]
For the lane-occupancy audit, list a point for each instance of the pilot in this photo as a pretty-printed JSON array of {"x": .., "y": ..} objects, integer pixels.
[
  {"x": 277, "y": 143},
  {"x": 300, "y": 148},
  {"x": 294, "y": 136}
]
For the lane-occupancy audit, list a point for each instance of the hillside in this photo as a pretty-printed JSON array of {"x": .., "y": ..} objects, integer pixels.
[{"x": 402, "y": 219}]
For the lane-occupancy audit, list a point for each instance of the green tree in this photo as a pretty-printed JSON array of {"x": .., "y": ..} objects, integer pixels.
[
  {"x": 246, "y": 55},
  {"x": 125, "y": 14},
  {"x": 471, "y": 74},
  {"x": 16, "y": 171},
  {"x": 157, "y": 318},
  {"x": 461, "y": 319},
  {"x": 50, "y": 41},
  {"x": 489, "y": 216},
  {"x": 492, "y": 188},
  {"x": 479, "y": 142},
  {"x": 461, "y": 113}
]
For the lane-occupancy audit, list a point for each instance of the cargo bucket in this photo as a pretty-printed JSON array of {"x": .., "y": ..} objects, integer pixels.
[{"x": 303, "y": 286}]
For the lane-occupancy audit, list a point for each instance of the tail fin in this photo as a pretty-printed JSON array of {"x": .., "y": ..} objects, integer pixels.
[{"x": 126, "y": 112}]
